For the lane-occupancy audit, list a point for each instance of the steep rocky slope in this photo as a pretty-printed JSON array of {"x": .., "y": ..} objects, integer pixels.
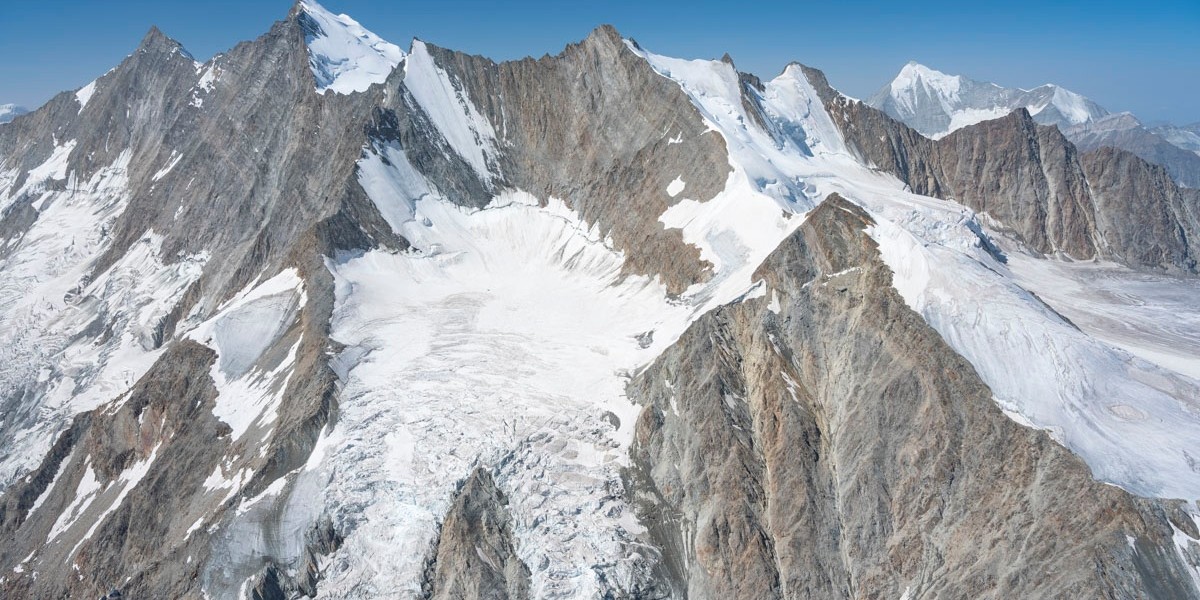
[
  {"x": 937, "y": 104},
  {"x": 320, "y": 317},
  {"x": 1033, "y": 182},
  {"x": 812, "y": 443},
  {"x": 1168, "y": 147}
]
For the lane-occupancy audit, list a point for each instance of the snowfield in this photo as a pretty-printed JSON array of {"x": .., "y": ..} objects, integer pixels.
[
  {"x": 504, "y": 339},
  {"x": 46, "y": 302},
  {"x": 505, "y": 336},
  {"x": 345, "y": 57},
  {"x": 919, "y": 91},
  {"x": 1134, "y": 422}
]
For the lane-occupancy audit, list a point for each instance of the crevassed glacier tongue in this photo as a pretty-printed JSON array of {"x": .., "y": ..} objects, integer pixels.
[{"x": 503, "y": 343}]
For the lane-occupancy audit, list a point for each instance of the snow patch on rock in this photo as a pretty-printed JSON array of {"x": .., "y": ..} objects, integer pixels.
[
  {"x": 84, "y": 94},
  {"x": 469, "y": 134},
  {"x": 47, "y": 302},
  {"x": 241, "y": 331}
]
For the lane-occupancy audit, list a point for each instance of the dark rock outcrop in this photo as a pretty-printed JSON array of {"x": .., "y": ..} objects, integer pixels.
[
  {"x": 476, "y": 557},
  {"x": 155, "y": 452}
]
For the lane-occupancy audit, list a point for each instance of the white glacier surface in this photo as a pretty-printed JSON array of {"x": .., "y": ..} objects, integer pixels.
[
  {"x": 344, "y": 56},
  {"x": 505, "y": 336},
  {"x": 1136, "y": 423},
  {"x": 47, "y": 301}
]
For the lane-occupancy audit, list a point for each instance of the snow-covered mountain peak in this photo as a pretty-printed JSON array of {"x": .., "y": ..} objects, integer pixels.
[
  {"x": 1072, "y": 107},
  {"x": 345, "y": 57},
  {"x": 482, "y": 333},
  {"x": 936, "y": 103},
  {"x": 915, "y": 76},
  {"x": 9, "y": 112}
]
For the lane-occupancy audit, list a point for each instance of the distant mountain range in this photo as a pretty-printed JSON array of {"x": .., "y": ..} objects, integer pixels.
[
  {"x": 9, "y": 112},
  {"x": 937, "y": 104}
]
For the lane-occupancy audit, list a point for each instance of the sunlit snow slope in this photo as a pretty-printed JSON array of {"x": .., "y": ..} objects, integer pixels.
[
  {"x": 1132, "y": 421},
  {"x": 937, "y": 104},
  {"x": 505, "y": 331},
  {"x": 345, "y": 57},
  {"x": 47, "y": 303},
  {"x": 511, "y": 327},
  {"x": 504, "y": 336}
]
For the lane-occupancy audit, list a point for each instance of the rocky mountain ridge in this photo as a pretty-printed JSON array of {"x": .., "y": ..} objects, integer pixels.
[
  {"x": 937, "y": 104},
  {"x": 320, "y": 317}
]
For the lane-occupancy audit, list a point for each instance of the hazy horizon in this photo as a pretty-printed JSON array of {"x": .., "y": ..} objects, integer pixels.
[{"x": 1144, "y": 59}]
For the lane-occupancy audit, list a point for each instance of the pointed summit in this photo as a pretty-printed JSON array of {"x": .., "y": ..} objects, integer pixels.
[
  {"x": 157, "y": 41},
  {"x": 345, "y": 57},
  {"x": 937, "y": 103},
  {"x": 604, "y": 36}
]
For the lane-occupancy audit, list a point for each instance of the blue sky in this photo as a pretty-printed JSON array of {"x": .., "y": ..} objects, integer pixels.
[{"x": 1138, "y": 56}]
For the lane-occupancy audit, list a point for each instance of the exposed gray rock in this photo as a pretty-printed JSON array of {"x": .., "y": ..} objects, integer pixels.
[
  {"x": 263, "y": 176},
  {"x": 937, "y": 104},
  {"x": 1027, "y": 177},
  {"x": 837, "y": 449},
  {"x": 840, "y": 449},
  {"x": 1125, "y": 132},
  {"x": 166, "y": 422},
  {"x": 1031, "y": 180},
  {"x": 475, "y": 556},
  {"x": 1141, "y": 210},
  {"x": 594, "y": 126}
]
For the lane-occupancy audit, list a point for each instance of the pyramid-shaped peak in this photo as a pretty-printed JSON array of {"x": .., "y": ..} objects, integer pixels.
[
  {"x": 604, "y": 34},
  {"x": 157, "y": 41},
  {"x": 345, "y": 56}
]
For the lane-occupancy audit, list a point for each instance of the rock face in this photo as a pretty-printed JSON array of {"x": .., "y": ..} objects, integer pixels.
[
  {"x": 824, "y": 450},
  {"x": 1125, "y": 132},
  {"x": 266, "y": 327},
  {"x": 937, "y": 104},
  {"x": 1032, "y": 180},
  {"x": 475, "y": 556},
  {"x": 587, "y": 126},
  {"x": 1167, "y": 223},
  {"x": 153, "y": 454}
]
